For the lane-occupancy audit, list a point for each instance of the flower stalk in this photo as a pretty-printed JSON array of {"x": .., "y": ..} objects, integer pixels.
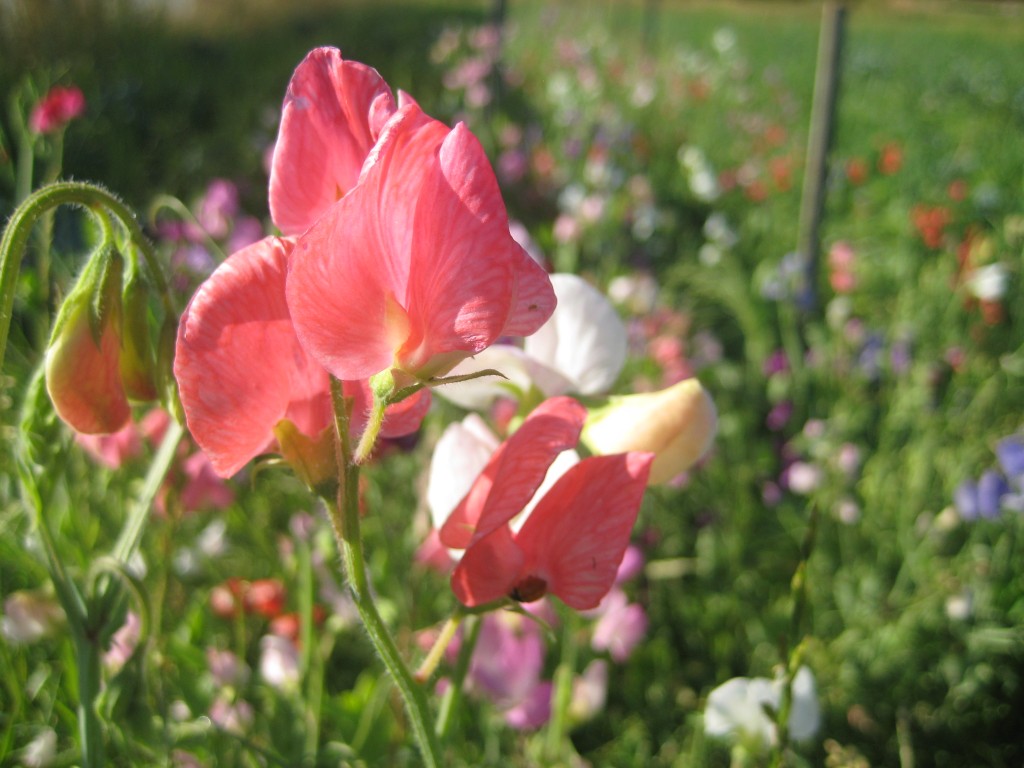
[{"x": 344, "y": 514}]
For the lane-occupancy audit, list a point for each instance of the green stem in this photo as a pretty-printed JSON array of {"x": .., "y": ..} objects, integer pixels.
[
  {"x": 429, "y": 665},
  {"x": 795, "y": 651},
  {"x": 90, "y": 730},
  {"x": 369, "y": 436},
  {"x": 131, "y": 534},
  {"x": 19, "y": 229},
  {"x": 454, "y": 690},
  {"x": 345, "y": 520},
  {"x": 561, "y": 696}
]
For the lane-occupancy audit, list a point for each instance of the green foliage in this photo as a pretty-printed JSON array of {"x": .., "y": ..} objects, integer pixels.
[{"x": 913, "y": 615}]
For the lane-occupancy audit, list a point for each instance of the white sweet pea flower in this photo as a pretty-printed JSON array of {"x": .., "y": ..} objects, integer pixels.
[
  {"x": 988, "y": 283},
  {"x": 459, "y": 457},
  {"x": 584, "y": 340},
  {"x": 736, "y": 710},
  {"x": 580, "y": 350}
]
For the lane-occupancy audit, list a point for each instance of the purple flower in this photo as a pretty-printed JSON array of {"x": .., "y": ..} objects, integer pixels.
[
  {"x": 776, "y": 362},
  {"x": 1010, "y": 452},
  {"x": 532, "y": 712},
  {"x": 991, "y": 489},
  {"x": 779, "y": 415},
  {"x": 974, "y": 500},
  {"x": 965, "y": 499},
  {"x": 508, "y": 660}
]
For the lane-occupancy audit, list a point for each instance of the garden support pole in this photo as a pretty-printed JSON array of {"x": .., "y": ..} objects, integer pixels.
[{"x": 819, "y": 140}]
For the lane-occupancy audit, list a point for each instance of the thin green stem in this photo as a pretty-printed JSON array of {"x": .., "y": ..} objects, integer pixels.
[
  {"x": 90, "y": 729},
  {"x": 429, "y": 665},
  {"x": 19, "y": 229},
  {"x": 345, "y": 520},
  {"x": 454, "y": 690},
  {"x": 561, "y": 696},
  {"x": 131, "y": 534},
  {"x": 369, "y": 436},
  {"x": 795, "y": 651}
]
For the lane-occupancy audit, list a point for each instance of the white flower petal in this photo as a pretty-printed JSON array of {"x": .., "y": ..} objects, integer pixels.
[
  {"x": 459, "y": 457},
  {"x": 585, "y": 339}
]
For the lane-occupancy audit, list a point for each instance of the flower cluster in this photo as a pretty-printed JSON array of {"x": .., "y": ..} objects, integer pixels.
[
  {"x": 395, "y": 257},
  {"x": 996, "y": 490}
]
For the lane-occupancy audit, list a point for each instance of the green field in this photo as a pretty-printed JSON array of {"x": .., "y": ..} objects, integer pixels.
[{"x": 659, "y": 141}]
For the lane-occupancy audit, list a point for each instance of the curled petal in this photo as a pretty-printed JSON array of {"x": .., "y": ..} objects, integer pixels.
[
  {"x": 515, "y": 472},
  {"x": 488, "y": 570},
  {"x": 333, "y": 112},
  {"x": 460, "y": 455},
  {"x": 415, "y": 268}
]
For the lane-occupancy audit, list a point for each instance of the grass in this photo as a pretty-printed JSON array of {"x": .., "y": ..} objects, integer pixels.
[{"x": 904, "y": 369}]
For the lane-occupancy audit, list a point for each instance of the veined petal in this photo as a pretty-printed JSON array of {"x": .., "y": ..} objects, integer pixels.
[
  {"x": 585, "y": 339},
  {"x": 575, "y": 538},
  {"x": 425, "y": 232},
  {"x": 514, "y": 473},
  {"x": 333, "y": 112},
  {"x": 239, "y": 365},
  {"x": 533, "y": 299}
]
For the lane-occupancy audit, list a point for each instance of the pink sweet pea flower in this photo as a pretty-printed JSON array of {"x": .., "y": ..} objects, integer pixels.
[
  {"x": 621, "y": 625},
  {"x": 414, "y": 269},
  {"x": 333, "y": 113},
  {"x": 56, "y": 109},
  {"x": 241, "y": 370},
  {"x": 572, "y": 541}
]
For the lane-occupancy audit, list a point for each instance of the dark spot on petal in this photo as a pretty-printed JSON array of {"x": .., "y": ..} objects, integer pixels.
[{"x": 529, "y": 589}]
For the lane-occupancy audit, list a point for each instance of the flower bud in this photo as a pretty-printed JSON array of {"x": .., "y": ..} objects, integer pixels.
[
  {"x": 101, "y": 352},
  {"x": 677, "y": 424},
  {"x": 137, "y": 359},
  {"x": 83, "y": 374}
]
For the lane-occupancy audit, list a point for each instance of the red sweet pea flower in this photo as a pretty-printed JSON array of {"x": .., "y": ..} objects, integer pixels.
[
  {"x": 333, "y": 113},
  {"x": 241, "y": 370},
  {"x": 572, "y": 542},
  {"x": 414, "y": 269},
  {"x": 56, "y": 109}
]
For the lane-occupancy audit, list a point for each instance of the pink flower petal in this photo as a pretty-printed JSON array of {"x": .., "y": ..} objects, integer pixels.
[
  {"x": 415, "y": 268},
  {"x": 488, "y": 569},
  {"x": 333, "y": 112},
  {"x": 515, "y": 471},
  {"x": 576, "y": 536},
  {"x": 239, "y": 365}
]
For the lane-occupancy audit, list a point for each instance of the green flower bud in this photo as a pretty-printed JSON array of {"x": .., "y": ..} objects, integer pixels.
[{"x": 138, "y": 371}]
